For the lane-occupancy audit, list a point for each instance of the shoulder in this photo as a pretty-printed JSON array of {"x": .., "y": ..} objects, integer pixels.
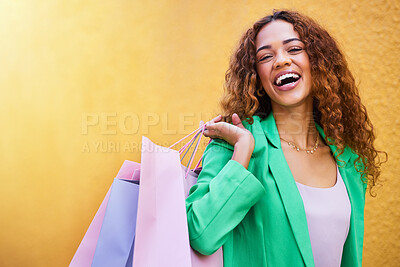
[
  {"x": 355, "y": 168},
  {"x": 255, "y": 125}
]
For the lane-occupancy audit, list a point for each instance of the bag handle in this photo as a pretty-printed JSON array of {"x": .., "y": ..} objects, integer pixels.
[
  {"x": 194, "y": 152},
  {"x": 188, "y": 145},
  {"x": 195, "y": 131},
  {"x": 196, "y": 140}
]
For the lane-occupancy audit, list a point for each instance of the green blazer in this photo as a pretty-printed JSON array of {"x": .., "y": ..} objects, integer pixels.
[{"x": 257, "y": 214}]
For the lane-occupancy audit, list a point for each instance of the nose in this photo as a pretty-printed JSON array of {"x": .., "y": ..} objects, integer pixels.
[{"x": 282, "y": 59}]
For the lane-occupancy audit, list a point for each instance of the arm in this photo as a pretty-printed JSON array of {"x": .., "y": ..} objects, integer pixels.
[{"x": 224, "y": 193}]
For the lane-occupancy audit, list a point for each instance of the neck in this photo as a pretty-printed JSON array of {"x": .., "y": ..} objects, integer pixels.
[{"x": 296, "y": 124}]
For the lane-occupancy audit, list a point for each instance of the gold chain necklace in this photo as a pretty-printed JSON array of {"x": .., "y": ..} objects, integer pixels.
[{"x": 311, "y": 151}]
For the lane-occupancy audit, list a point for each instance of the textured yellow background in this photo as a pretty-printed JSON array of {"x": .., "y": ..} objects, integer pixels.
[{"x": 82, "y": 81}]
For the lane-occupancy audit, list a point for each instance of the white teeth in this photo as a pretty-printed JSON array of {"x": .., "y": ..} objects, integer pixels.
[{"x": 284, "y": 76}]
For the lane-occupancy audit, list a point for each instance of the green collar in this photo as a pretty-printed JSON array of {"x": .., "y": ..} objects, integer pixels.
[{"x": 271, "y": 132}]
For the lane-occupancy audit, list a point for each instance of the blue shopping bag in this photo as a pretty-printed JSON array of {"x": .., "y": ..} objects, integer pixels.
[{"x": 117, "y": 234}]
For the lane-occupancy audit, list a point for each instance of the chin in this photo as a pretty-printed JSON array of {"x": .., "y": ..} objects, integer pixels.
[{"x": 293, "y": 101}]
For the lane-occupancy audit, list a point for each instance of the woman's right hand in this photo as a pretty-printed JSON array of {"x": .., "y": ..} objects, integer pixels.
[{"x": 235, "y": 134}]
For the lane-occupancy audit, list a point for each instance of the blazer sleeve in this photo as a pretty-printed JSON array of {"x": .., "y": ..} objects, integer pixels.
[{"x": 224, "y": 193}]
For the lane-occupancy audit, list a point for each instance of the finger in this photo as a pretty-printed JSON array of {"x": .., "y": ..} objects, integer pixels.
[
  {"x": 236, "y": 120},
  {"x": 217, "y": 119},
  {"x": 207, "y": 133},
  {"x": 210, "y": 126},
  {"x": 212, "y": 130},
  {"x": 211, "y": 134},
  {"x": 203, "y": 126}
]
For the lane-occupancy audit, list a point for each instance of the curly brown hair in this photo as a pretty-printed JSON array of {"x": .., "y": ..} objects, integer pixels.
[{"x": 337, "y": 105}]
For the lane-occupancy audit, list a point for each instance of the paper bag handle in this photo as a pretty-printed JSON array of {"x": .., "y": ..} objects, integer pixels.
[{"x": 197, "y": 132}]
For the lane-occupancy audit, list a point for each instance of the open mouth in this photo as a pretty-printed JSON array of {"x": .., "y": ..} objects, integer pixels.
[{"x": 287, "y": 79}]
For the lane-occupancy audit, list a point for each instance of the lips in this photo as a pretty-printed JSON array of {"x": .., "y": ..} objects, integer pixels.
[{"x": 286, "y": 80}]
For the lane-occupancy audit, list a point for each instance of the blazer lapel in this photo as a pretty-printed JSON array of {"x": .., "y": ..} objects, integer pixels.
[{"x": 288, "y": 191}]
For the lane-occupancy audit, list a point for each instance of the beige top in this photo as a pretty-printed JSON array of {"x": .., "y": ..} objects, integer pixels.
[{"x": 328, "y": 218}]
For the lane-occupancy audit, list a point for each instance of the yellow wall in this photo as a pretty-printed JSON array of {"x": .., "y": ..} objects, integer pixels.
[{"x": 71, "y": 73}]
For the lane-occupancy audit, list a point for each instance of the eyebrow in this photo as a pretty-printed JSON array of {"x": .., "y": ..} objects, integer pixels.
[{"x": 284, "y": 42}]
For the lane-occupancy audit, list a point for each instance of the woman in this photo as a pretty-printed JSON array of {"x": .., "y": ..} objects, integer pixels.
[{"x": 287, "y": 186}]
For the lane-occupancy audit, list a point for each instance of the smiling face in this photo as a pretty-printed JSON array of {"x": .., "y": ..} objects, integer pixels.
[{"x": 283, "y": 65}]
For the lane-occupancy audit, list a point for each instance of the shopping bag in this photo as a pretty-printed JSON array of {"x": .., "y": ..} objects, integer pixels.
[
  {"x": 113, "y": 245},
  {"x": 116, "y": 239},
  {"x": 161, "y": 229},
  {"x": 86, "y": 250},
  {"x": 162, "y": 237}
]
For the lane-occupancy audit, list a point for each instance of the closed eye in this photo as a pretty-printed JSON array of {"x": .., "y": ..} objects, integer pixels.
[
  {"x": 295, "y": 49},
  {"x": 265, "y": 57}
]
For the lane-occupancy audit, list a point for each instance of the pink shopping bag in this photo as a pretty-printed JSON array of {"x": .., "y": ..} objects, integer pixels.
[
  {"x": 162, "y": 237},
  {"x": 161, "y": 229}
]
